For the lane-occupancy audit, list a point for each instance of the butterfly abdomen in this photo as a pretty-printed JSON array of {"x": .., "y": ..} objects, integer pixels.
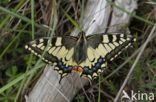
[{"x": 80, "y": 50}]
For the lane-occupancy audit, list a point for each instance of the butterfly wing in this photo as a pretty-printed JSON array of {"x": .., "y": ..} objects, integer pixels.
[
  {"x": 56, "y": 51},
  {"x": 103, "y": 48},
  {"x": 100, "y": 49}
]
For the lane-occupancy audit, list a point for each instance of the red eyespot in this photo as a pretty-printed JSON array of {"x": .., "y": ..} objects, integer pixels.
[
  {"x": 80, "y": 69},
  {"x": 77, "y": 69}
]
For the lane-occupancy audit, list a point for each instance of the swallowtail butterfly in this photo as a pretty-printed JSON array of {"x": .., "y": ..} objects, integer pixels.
[{"x": 87, "y": 55}]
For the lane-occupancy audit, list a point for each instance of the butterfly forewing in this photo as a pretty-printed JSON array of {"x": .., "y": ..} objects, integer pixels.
[{"x": 108, "y": 44}]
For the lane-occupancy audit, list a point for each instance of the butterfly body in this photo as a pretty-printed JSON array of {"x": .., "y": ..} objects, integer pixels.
[
  {"x": 86, "y": 55},
  {"x": 80, "y": 49}
]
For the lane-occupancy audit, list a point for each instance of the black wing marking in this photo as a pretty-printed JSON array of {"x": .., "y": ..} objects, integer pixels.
[{"x": 69, "y": 41}]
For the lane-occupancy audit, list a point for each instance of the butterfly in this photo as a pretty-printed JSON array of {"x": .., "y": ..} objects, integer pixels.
[{"x": 86, "y": 55}]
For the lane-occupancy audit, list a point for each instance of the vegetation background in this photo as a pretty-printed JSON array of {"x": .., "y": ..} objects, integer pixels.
[{"x": 22, "y": 21}]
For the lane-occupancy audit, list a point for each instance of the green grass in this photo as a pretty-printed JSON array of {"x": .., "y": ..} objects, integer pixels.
[{"x": 19, "y": 26}]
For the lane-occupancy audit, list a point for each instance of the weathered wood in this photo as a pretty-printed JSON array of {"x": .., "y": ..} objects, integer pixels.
[{"x": 96, "y": 19}]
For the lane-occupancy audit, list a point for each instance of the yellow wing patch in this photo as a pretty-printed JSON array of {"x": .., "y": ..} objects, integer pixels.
[
  {"x": 58, "y": 41},
  {"x": 107, "y": 47},
  {"x": 90, "y": 54},
  {"x": 70, "y": 54},
  {"x": 56, "y": 51},
  {"x": 40, "y": 45},
  {"x": 105, "y": 39},
  {"x": 62, "y": 52},
  {"x": 114, "y": 38},
  {"x": 87, "y": 63},
  {"x": 51, "y": 50}
]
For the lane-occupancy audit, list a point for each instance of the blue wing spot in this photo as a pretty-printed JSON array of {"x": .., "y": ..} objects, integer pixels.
[
  {"x": 65, "y": 68},
  {"x": 86, "y": 70},
  {"x": 94, "y": 69},
  {"x": 97, "y": 65},
  {"x": 60, "y": 63},
  {"x": 100, "y": 60},
  {"x": 62, "y": 67},
  {"x": 70, "y": 68}
]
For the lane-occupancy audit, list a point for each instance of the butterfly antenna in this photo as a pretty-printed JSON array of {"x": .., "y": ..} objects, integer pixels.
[{"x": 61, "y": 77}]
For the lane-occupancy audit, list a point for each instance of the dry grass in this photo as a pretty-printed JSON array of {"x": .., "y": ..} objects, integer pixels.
[{"x": 16, "y": 30}]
